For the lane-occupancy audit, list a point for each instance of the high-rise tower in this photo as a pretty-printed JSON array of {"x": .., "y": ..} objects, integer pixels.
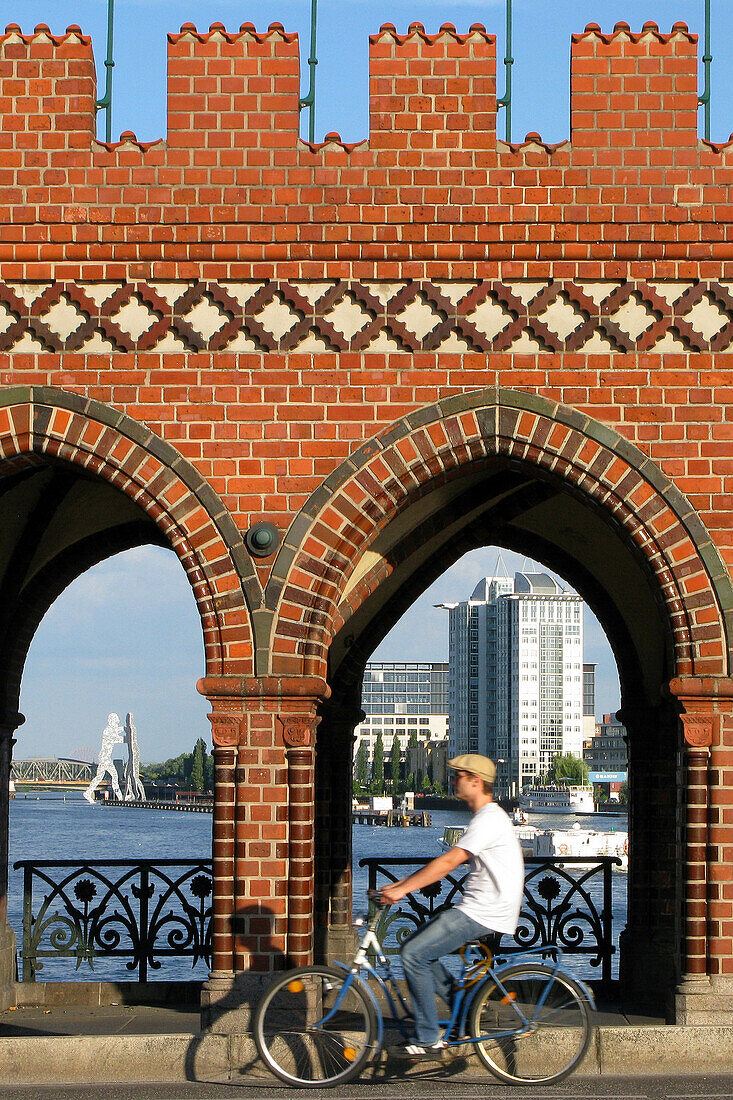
[{"x": 516, "y": 675}]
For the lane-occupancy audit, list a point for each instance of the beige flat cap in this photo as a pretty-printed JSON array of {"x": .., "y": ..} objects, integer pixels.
[{"x": 478, "y": 765}]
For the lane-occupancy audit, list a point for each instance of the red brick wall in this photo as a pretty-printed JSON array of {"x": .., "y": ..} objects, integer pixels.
[{"x": 232, "y": 192}]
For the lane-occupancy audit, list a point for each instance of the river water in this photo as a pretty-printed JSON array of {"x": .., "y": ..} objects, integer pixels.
[{"x": 48, "y": 828}]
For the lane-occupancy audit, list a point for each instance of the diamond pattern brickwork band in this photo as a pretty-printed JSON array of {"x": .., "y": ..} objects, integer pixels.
[{"x": 308, "y": 318}]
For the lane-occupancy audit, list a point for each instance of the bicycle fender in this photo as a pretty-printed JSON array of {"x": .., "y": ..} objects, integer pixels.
[{"x": 365, "y": 988}]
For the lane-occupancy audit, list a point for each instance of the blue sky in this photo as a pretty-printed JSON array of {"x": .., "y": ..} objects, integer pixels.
[
  {"x": 541, "y": 48},
  {"x": 126, "y": 636}
]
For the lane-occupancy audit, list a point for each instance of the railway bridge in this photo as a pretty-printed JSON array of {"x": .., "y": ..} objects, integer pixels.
[
  {"x": 321, "y": 373},
  {"x": 61, "y": 773}
]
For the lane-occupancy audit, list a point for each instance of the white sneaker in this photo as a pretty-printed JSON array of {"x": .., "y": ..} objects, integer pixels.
[{"x": 417, "y": 1052}]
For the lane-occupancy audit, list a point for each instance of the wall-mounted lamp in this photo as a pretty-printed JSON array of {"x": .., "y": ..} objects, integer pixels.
[{"x": 262, "y": 539}]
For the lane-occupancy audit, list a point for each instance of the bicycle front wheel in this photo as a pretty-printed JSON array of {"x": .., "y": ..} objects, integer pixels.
[
  {"x": 555, "y": 1037},
  {"x": 315, "y": 1027}
]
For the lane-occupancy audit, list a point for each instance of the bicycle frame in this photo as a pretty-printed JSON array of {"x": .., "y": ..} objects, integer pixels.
[
  {"x": 493, "y": 975},
  {"x": 360, "y": 963},
  {"x": 456, "y": 1025}
]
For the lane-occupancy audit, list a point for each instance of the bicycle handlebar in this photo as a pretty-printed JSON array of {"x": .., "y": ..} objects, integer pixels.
[{"x": 375, "y": 898}]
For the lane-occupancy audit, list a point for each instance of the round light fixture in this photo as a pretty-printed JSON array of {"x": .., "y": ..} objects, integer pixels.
[{"x": 262, "y": 539}]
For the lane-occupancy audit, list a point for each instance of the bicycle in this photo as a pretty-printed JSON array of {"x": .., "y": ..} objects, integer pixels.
[{"x": 529, "y": 1022}]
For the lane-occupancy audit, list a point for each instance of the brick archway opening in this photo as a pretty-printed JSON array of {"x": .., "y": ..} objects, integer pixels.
[
  {"x": 80, "y": 482},
  {"x": 535, "y": 480}
]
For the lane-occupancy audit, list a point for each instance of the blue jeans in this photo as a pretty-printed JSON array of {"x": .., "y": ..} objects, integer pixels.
[{"x": 426, "y": 975}]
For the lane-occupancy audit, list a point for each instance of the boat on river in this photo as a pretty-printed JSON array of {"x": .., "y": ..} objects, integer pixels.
[
  {"x": 577, "y": 842},
  {"x": 525, "y": 834},
  {"x": 556, "y": 843},
  {"x": 557, "y": 798}
]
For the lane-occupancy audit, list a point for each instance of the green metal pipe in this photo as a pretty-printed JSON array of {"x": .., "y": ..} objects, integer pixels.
[
  {"x": 506, "y": 99},
  {"x": 105, "y": 104},
  {"x": 707, "y": 60},
  {"x": 310, "y": 100}
]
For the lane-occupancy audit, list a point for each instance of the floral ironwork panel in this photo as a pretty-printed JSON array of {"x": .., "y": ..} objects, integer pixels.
[
  {"x": 139, "y": 912},
  {"x": 567, "y": 906}
]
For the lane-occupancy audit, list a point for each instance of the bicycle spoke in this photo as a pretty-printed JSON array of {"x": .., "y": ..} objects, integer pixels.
[
  {"x": 554, "y": 1039},
  {"x": 315, "y": 1026}
]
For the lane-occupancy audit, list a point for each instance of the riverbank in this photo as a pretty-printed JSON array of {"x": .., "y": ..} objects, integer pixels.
[{"x": 203, "y": 806}]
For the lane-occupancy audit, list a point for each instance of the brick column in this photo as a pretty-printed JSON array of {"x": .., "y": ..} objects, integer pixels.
[
  {"x": 649, "y": 944},
  {"x": 264, "y": 728},
  {"x": 222, "y": 962},
  {"x": 7, "y": 936},
  {"x": 299, "y": 738},
  {"x": 697, "y": 758},
  {"x": 705, "y": 992},
  {"x": 334, "y": 786},
  {"x": 218, "y": 988}
]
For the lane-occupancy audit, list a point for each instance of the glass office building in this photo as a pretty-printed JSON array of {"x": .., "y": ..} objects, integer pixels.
[{"x": 516, "y": 675}]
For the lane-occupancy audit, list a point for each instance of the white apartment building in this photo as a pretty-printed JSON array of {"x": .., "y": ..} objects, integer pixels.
[
  {"x": 516, "y": 675},
  {"x": 399, "y": 699}
]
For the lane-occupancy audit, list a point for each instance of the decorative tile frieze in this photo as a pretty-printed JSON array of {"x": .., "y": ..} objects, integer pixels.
[{"x": 309, "y": 317}]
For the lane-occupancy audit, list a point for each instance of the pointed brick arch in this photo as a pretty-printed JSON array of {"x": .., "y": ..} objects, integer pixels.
[
  {"x": 38, "y": 423},
  {"x": 441, "y": 442}
]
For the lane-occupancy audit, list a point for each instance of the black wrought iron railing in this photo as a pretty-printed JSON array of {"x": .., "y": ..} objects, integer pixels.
[
  {"x": 143, "y": 912},
  {"x": 137, "y": 911},
  {"x": 567, "y": 906}
]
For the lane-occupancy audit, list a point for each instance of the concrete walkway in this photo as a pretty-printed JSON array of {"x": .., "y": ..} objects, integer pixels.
[{"x": 81, "y": 1045}]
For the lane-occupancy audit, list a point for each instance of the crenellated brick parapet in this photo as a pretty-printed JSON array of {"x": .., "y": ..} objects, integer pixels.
[
  {"x": 234, "y": 94},
  {"x": 635, "y": 92},
  {"x": 233, "y": 188},
  {"x": 47, "y": 97}
]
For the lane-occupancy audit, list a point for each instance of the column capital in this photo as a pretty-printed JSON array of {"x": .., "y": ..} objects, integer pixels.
[
  {"x": 702, "y": 701},
  {"x": 9, "y": 723},
  {"x": 292, "y": 700},
  {"x": 298, "y": 731},
  {"x": 630, "y": 713},
  {"x": 265, "y": 688},
  {"x": 226, "y": 729},
  {"x": 350, "y": 714},
  {"x": 703, "y": 689},
  {"x": 699, "y": 730}
]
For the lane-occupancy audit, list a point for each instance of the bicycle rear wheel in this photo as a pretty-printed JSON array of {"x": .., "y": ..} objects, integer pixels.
[
  {"x": 558, "y": 1031},
  {"x": 315, "y": 1027}
]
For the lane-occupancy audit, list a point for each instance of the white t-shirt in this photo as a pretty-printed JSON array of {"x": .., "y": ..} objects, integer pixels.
[{"x": 492, "y": 892}]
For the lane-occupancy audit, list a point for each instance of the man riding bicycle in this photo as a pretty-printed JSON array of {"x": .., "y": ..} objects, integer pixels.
[{"x": 492, "y": 896}]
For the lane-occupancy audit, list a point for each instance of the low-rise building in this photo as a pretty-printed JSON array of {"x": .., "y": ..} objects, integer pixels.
[
  {"x": 407, "y": 701},
  {"x": 606, "y": 755}
]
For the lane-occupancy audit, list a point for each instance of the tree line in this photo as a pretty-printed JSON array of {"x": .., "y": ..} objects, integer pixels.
[
  {"x": 389, "y": 774},
  {"x": 193, "y": 771}
]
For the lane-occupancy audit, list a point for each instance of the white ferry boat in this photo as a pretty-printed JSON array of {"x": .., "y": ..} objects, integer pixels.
[
  {"x": 557, "y": 798},
  {"x": 556, "y": 843},
  {"x": 525, "y": 834},
  {"x": 527, "y": 837}
]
